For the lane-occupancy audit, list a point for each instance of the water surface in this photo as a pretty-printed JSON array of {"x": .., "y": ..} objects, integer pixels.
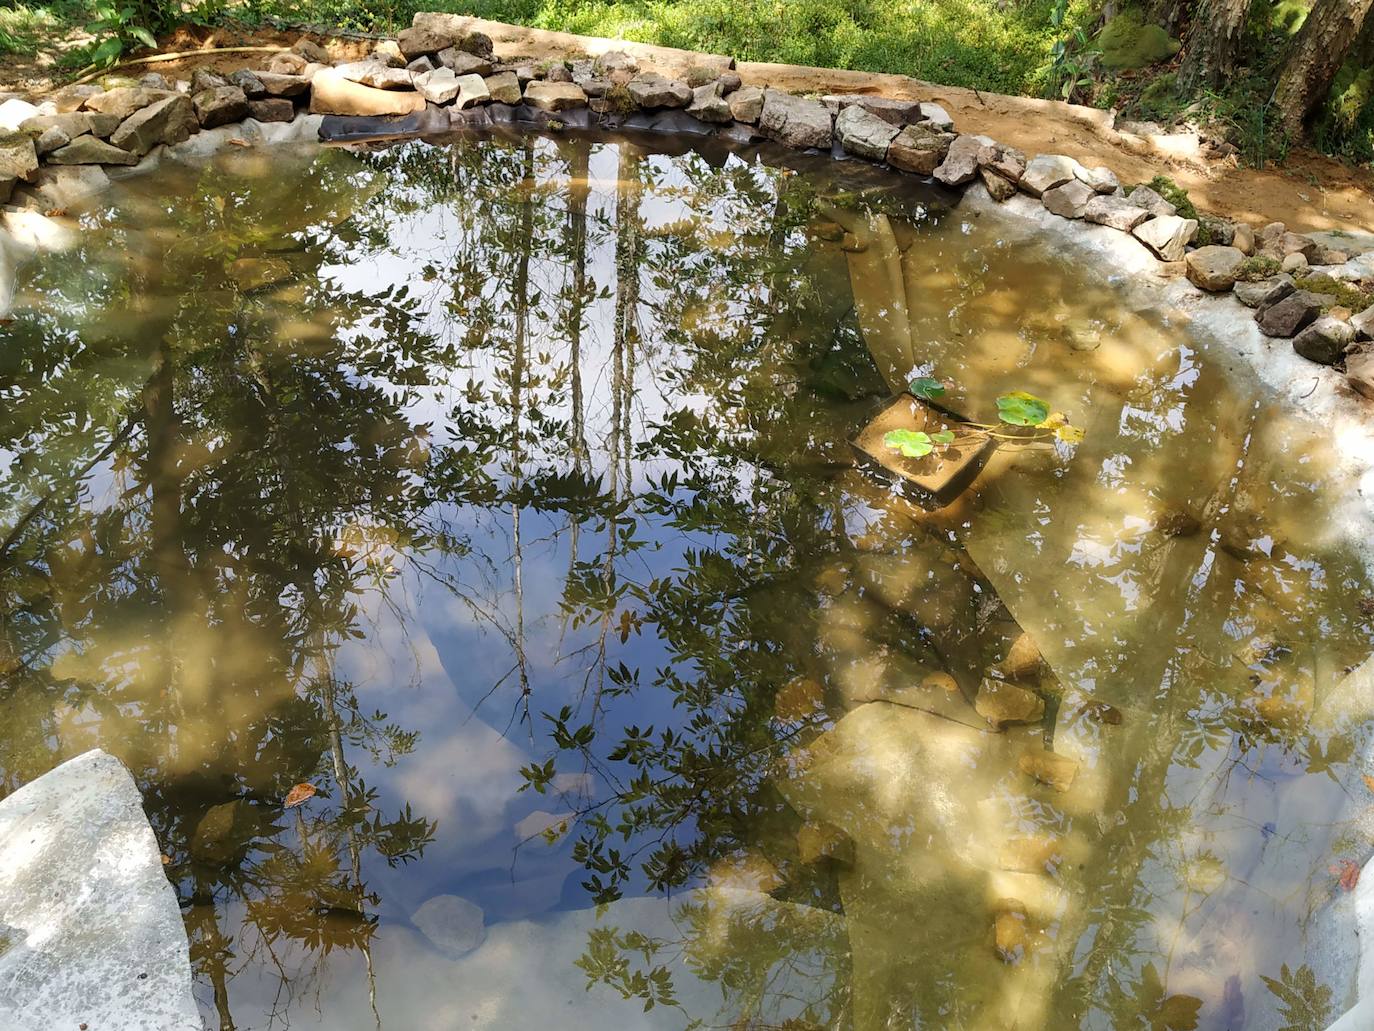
[{"x": 503, "y": 493}]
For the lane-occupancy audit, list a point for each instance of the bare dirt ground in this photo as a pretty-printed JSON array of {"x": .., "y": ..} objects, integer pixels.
[{"x": 1308, "y": 191}]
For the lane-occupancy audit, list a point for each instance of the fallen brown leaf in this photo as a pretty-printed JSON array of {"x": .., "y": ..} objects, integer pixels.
[
  {"x": 237, "y": 141},
  {"x": 299, "y": 795},
  {"x": 1349, "y": 873}
]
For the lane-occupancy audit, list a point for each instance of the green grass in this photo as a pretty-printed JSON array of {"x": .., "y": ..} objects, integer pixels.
[
  {"x": 971, "y": 43},
  {"x": 23, "y": 29}
]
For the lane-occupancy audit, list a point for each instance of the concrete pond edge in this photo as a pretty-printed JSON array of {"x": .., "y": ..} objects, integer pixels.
[{"x": 1278, "y": 301}]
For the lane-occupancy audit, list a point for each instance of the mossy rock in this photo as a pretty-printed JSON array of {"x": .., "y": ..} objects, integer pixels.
[
  {"x": 1127, "y": 42},
  {"x": 1346, "y": 295},
  {"x": 1257, "y": 269}
]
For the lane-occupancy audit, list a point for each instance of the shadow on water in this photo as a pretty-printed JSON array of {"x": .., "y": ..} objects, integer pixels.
[{"x": 503, "y": 492}]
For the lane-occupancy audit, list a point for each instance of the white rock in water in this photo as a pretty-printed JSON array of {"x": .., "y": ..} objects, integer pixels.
[
  {"x": 94, "y": 934},
  {"x": 453, "y": 924}
]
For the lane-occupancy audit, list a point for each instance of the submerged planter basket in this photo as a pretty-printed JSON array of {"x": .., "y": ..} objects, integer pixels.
[{"x": 936, "y": 479}]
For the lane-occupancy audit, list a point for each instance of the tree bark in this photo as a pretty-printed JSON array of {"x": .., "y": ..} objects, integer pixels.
[
  {"x": 1213, "y": 44},
  {"x": 1318, "y": 53}
]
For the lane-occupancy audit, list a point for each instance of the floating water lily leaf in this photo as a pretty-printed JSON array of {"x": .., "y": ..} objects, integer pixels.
[
  {"x": 943, "y": 437},
  {"x": 909, "y": 443},
  {"x": 1021, "y": 409},
  {"x": 1069, "y": 434},
  {"x": 299, "y": 795},
  {"x": 926, "y": 387}
]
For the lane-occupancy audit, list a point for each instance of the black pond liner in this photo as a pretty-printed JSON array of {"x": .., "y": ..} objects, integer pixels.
[{"x": 672, "y": 132}]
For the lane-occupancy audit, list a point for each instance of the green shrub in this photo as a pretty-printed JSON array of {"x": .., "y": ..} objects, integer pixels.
[
  {"x": 1254, "y": 269},
  {"x": 1127, "y": 42}
]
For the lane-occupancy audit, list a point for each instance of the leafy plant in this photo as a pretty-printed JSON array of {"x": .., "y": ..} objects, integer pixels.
[
  {"x": 125, "y": 27},
  {"x": 1017, "y": 409},
  {"x": 1305, "y": 1004}
]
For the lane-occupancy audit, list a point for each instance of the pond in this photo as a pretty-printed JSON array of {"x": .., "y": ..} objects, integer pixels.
[{"x": 503, "y": 493}]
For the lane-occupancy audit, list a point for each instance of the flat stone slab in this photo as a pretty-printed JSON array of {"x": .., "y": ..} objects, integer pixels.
[{"x": 90, "y": 931}]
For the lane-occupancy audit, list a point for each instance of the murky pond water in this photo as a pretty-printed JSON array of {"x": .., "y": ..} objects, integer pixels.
[{"x": 504, "y": 494}]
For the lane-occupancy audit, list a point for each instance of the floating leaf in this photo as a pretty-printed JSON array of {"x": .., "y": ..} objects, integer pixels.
[
  {"x": 1021, "y": 409},
  {"x": 1347, "y": 871},
  {"x": 299, "y": 795},
  {"x": 909, "y": 443},
  {"x": 926, "y": 387},
  {"x": 943, "y": 437},
  {"x": 1069, "y": 434}
]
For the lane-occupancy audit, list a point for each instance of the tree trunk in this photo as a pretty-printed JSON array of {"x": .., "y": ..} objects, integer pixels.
[
  {"x": 1213, "y": 45},
  {"x": 1318, "y": 53}
]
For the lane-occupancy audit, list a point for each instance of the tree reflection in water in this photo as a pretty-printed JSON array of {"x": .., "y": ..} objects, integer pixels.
[{"x": 571, "y": 422}]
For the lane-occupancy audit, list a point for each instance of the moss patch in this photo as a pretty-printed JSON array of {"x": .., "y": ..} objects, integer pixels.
[
  {"x": 1346, "y": 295},
  {"x": 1127, "y": 42},
  {"x": 1252, "y": 270}
]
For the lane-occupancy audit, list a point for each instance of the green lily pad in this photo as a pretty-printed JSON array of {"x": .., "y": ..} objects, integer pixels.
[
  {"x": 943, "y": 437},
  {"x": 1021, "y": 409},
  {"x": 909, "y": 443},
  {"x": 926, "y": 387}
]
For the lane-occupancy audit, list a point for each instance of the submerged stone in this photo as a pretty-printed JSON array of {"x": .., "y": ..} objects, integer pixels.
[
  {"x": 1057, "y": 771},
  {"x": 95, "y": 935},
  {"x": 453, "y": 924},
  {"x": 817, "y": 840},
  {"x": 1001, "y": 703}
]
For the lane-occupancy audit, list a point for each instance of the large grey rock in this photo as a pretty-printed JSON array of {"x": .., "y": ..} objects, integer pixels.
[
  {"x": 73, "y": 123},
  {"x": 709, "y": 104},
  {"x": 376, "y": 74},
  {"x": 1265, "y": 292},
  {"x": 654, "y": 91},
  {"x": 615, "y": 65},
  {"x": 555, "y": 96},
  {"x": 862, "y": 133},
  {"x": 424, "y": 39},
  {"x": 272, "y": 109},
  {"x": 1166, "y": 236},
  {"x": 1292, "y": 314},
  {"x": 795, "y": 121},
  {"x": 1364, "y": 324},
  {"x": 453, "y": 924},
  {"x": 897, "y": 112},
  {"x": 965, "y": 154},
  {"x": 746, "y": 104},
  {"x": 248, "y": 81},
  {"x": 220, "y": 106},
  {"x": 1046, "y": 171},
  {"x": 1144, "y": 197},
  {"x": 1008, "y": 162},
  {"x": 168, "y": 121},
  {"x": 124, "y": 100},
  {"x": 1102, "y": 179},
  {"x": 1117, "y": 212},
  {"x": 1069, "y": 200},
  {"x": 1213, "y": 267},
  {"x": 1325, "y": 340},
  {"x": 87, "y": 150},
  {"x": 439, "y": 86},
  {"x": 936, "y": 116},
  {"x": 49, "y": 140},
  {"x": 95, "y": 936},
  {"x": 504, "y": 88},
  {"x": 280, "y": 85},
  {"x": 918, "y": 148},
  {"x": 18, "y": 161},
  {"x": 463, "y": 63},
  {"x": 1359, "y": 372},
  {"x": 472, "y": 90}
]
